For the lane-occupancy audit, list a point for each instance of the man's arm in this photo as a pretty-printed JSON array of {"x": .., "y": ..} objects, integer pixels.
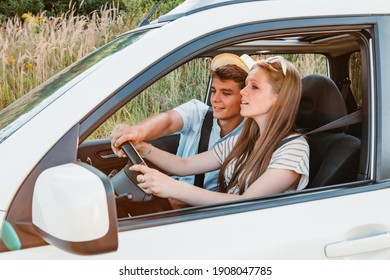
[{"x": 151, "y": 128}]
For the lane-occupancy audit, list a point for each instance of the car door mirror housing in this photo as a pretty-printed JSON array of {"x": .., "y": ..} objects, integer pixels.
[{"x": 74, "y": 209}]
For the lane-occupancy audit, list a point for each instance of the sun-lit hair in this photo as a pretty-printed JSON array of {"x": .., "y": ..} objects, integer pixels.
[{"x": 254, "y": 148}]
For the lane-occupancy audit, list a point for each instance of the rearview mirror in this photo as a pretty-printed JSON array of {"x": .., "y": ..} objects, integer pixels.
[{"x": 74, "y": 209}]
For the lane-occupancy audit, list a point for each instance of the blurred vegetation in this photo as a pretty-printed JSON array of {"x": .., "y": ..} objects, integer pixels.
[
  {"x": 36, "y": 46},
  {"x": 12, "y": 8},
  {"x": 39, "y": 38}
]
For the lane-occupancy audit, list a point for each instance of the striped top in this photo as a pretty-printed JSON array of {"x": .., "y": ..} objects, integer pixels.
[{"x": 293, "y": 155}]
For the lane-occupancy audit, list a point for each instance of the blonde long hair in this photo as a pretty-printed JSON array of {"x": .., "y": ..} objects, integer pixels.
[{"x": 254, "y": 148}]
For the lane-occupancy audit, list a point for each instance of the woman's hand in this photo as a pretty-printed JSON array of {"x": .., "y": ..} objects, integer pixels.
[{"x": 154, "y": 182}]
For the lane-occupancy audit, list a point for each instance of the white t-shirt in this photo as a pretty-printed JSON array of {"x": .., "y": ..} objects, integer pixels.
[{"x": 293, "y": 155}]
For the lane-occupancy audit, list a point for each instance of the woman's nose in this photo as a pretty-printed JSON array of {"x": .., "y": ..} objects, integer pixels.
[{"x": 243, "y": 91}]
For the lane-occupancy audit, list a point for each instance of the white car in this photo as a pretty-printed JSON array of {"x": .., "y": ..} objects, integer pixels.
[{"x": 57, "y": 200}]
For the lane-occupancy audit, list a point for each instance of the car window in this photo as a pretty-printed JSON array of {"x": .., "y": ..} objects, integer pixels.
[{"x": 318, "y": 61}]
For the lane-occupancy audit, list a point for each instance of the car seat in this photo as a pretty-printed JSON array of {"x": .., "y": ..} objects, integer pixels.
[{"x": 334, "y": 155}]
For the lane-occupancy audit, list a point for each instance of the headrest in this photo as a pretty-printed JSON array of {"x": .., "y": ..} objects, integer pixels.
[{"x": 321, "y": 102}]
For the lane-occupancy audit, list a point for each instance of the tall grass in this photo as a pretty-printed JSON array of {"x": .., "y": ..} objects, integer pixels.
[{"x": 34, "y": 48}]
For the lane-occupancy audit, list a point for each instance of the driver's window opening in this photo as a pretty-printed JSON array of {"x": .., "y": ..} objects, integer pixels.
[{"x": 190, "y": 81}]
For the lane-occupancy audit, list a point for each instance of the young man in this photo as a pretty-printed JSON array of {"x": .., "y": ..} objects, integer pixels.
[{"x": 228, "y": 74}]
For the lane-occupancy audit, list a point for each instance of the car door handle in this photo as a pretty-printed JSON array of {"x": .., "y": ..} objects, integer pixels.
[
  {"x": 107, "y": 154},
  {"x": 358, "y": 246}
]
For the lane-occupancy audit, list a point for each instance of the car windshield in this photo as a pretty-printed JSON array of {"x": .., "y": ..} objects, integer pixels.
[{"x": 26, "y": 107}]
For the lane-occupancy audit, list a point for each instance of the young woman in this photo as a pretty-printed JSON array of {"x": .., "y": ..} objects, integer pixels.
[{"x": 255, "y": 163}]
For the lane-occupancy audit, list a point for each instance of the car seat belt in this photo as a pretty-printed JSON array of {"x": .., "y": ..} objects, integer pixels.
[
  {"x": 346, "y": 92},
  {"x": 204, "y": 142},
  {"x": 350, "y": 119}
]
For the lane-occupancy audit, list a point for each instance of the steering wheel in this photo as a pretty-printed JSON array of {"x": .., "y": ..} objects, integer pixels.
[{"x": 131, "y": 199}]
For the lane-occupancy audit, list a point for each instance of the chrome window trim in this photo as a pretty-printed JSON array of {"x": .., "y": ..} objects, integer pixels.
[{"x": 372, "y": 130}]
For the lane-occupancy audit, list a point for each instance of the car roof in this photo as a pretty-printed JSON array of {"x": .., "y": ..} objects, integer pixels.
[
  {"x": 189, "y": 7},
  {"x": 193, "y": 6}
]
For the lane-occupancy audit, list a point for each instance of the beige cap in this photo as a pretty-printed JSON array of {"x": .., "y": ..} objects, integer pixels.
[{"x": 245, "y": 62}]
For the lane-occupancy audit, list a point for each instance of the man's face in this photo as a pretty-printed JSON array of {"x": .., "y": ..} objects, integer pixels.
[{"x": 225, "y": 99}]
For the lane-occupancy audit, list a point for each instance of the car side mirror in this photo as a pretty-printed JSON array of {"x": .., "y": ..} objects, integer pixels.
[{"x": 73, "y": 208}]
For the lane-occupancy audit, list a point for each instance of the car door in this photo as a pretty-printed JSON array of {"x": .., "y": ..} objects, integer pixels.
[
  {"x": 337, "y": 225},
  {"x": 325, "y": 225}
]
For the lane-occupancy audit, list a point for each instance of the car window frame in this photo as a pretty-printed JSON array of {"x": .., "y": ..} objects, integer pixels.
[
  {"x": 258, "y": 203},
  {"x": 380, "y": 101},
  {"x": 174, "y": 60}
]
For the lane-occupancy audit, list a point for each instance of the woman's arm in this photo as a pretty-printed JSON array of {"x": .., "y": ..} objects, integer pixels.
[
  {"x": 173, "y": 164},
  {"x": 159, "y": 184},
  {"x": 272, "y": 181},
  {"x": 154, "y": 182}
]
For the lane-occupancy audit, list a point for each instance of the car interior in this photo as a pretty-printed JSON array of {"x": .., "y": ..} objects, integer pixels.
[{"x": 331, "y": 91}]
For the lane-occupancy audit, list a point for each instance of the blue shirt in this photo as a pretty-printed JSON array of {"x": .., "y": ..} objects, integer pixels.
[{"x": 193, "y": 113}]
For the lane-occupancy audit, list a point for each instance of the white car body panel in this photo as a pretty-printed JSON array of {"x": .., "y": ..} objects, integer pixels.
[{"x": 266, "y": 226}]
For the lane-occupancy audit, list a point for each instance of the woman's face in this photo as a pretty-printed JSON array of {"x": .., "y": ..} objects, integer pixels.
[{"x": 258, "y": 96}]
